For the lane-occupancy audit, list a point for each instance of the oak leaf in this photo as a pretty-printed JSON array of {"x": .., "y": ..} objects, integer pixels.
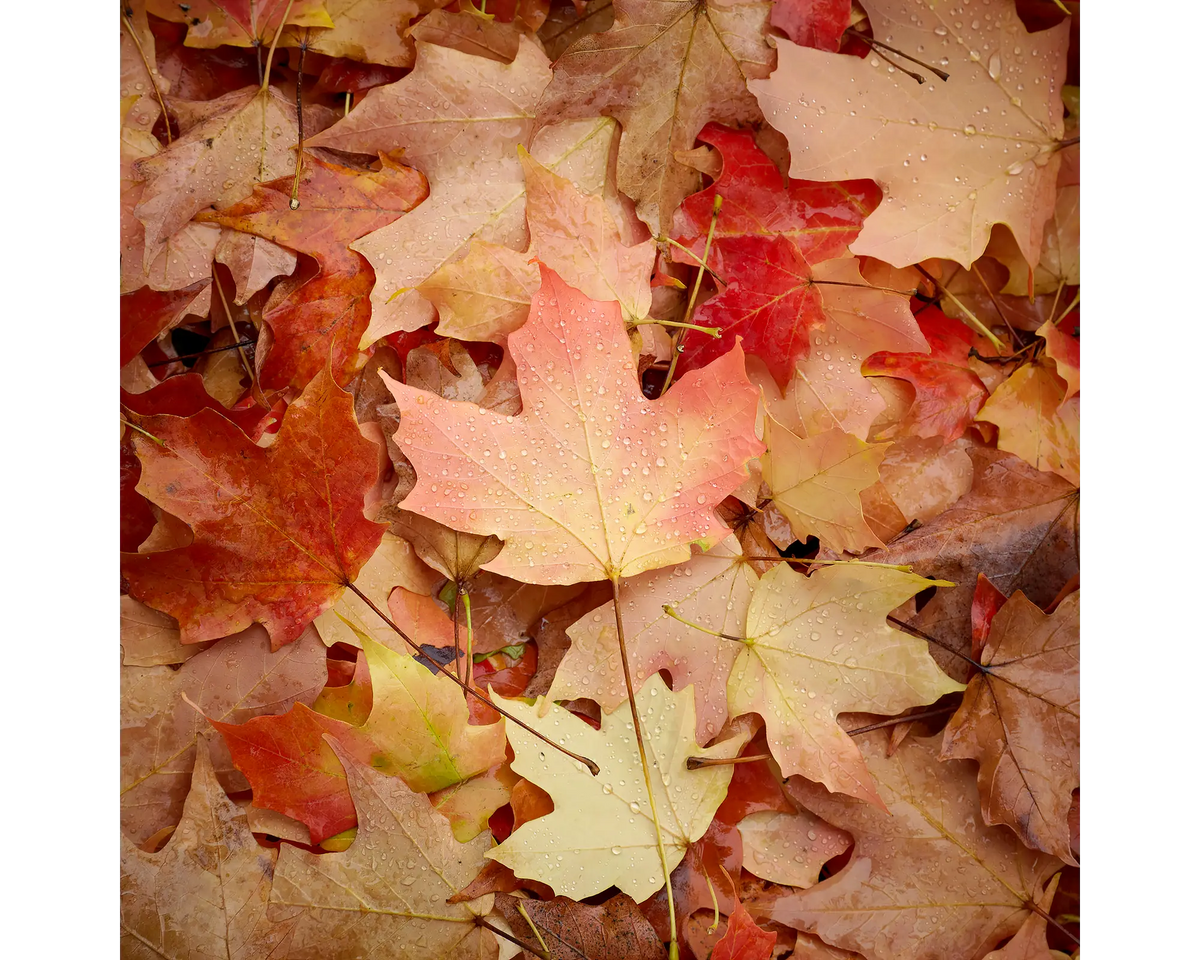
[
  {"x": 711, "y": 589},
  {"x": 278, "y": 532},
  {"x": 953, "y": 157},
  {"x": 320, "y": 319},
  {"x": 820, "y": 645},
  {"x": 817, "y": 484},
  {"x": 1020, "y": 719},
  {"x": 601, "y": 832},
  {"x": 592, "y": 480},
  {"x": 664, "y": 69},
  {"x": 237, "y": 678},
  {"x": 1017, "y": 526},
  {"x": 205, "y": 893},
  {"x": 927, "y": 878},
  {"x": 390, "y": 886},
  {"x": 1037, "y": 420}
]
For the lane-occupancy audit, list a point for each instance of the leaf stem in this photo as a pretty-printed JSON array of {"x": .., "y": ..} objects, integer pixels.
[
  {"x": 670, "y": 612},
  {"x": 233, "y": 329},
  {"x": 543, "y": 954},
  {"x": 872, "y": 42},
  {"x": 700, "y": 262},
  {"x": 921, "y": 634},
  {"x": 892, "y": 721},
  {"x": 712, "y": 229},
  {"x": 971, "y": 318},
  {"x": 590, "y": 764},
  {"x": 699, "y": 763},
  {"x": 995, "y": 303},
  {"x": 532, "y": 926},
  {"x": 673, "y": 952},
  {"x": 150, "y": 73},
  {"x": 1030, "y": 905},
  {"x": 862, "y": 286},
  {"x": 146, "y": 433},
  {"x": 201, "y": 353},
  {"x": 711, "y": 331},
  {"x": 294, "y": 203},
  {"x": 266, "y": 78},
  {"x": 466, "y": 599}
]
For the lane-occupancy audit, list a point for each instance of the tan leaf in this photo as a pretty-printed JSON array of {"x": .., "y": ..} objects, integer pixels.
[
  {"x": 789, "y": 848},
  {"x": 150, "y": 638},
  {"x": 390, "y": 886},
  {"x": 664, "y": 69},
  {"x": 953, "y": 157},
  {"x": 1020, "y": 720},
  {"x": 205, "y": 893},
  {"x": 1037, "y": 422},
  {"x": 927, "y": 880},
  {"x": 817, "y": 484}
]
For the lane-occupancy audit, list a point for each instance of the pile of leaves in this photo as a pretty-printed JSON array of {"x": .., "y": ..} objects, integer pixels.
[{"x": 600, "y": 479}]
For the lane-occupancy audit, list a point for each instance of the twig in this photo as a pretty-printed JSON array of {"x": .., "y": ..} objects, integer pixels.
[
  {"x": 872, "y": 42},
  {"x": 712, "y": 228},
  {"x": 543, "y": 954},
  {"x": 150, "y": 73},
  {"x": 294, "y": 203},
  {"x": 699, "y": 763},
  {"x": 971, "y": 318},
  {"x": 891, "y": 722}
]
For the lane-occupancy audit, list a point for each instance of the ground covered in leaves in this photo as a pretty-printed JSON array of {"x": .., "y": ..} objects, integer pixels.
[{"x": 600, "y": 479}]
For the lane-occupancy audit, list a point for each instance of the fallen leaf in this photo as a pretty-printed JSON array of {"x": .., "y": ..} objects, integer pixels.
[
  {"x": 1062, "y": 346},
  {"x": 744, "y": 939},
  {"x": 1020, "y": 719},
  {"x": 293, "y": 770},
  {"x": 1030, "y": 941},
  {"x": 994, "y": 125},
  {"x": 253, "y": 262},
  {"x": 612, "y": 810},
  {"x": 419, "y": 725},
  {"x": 817, "y": 484},
  {"x": 614, "y": 928},
  {"x": 271, "y": 545},
  {"x": 237, "y": 678},
  {"x": 813, "y": 23},
  {"x": 664, "y": 69},
  {"x": 927, "y": 879},
  {"x": 949, "y": 393},
  {"x": 147, "y": 314},
  {"x": 821, "y": 219},
  {"x": 1017, "y": 526},
  {"x": 349, "y": 701},
  {"x": 205, "y": 893},
  {"x": 820, "y": 645},
  {"x": 150, "y": 638},
  {"x": 711, "y": 589},
  {"x": 924, "y": 477},
  {"x": 316, "y": 320},
  {"x": 239, "y": 139},
  {"x": 790, "y": 847},
  {"x": 1036, "y": 419},
  {"x": 373, "y": 31},
  {"x": 240, "y": 23},
  {"x": 355, "y": 902},
  {"x": 629, "y": 522}
]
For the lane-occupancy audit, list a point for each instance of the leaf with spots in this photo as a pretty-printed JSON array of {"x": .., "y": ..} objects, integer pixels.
[
  {"x": 601, "y": 832},
  {"x": 279, "y": 531},
  {"x": 953, "y": 157},
  {"x": 820, "y": 645},
  {"x": 927, "y": 878},
  {"x": 390, "y": 886},
  {"x": 592, "y": 480},
  {"x": 205, "y": 893}
]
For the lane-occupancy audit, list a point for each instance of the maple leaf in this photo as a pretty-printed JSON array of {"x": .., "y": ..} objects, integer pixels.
[
  {"x": 572, "y": 930},
  {"x": 373, "y": 31},
  {"x": 278, "y": 532},
  {"x": 828, "y": 389},
  {"x": 601, "y": 832},
  {"x": 924, "y": 477},
  {"x": 744, "y": 939},
  {"x": 459, "y": 119},
  {"x": 292, "y": 769},
  {"x": 235, "y": 140},
  {"x": 711, "y": 589},
  {"x": 1020, "y": 719},
  {"x": 817, "y": 484},
  {"x": 239, "y": 23},
  {"x": 949, "y": 394},
  {"x": 821, "y": 219},
  {"x": 790, "y": 847},
  {"x": 927, "y": 879},
  {"x": 813, "y": 23},
  {"x": 150, "y": 638},
  {"x": 1062, "y": 346},
  {"x": 205, "y": 893},
  {"x": 820, "y": 645},
  {"x": 316, "y": 320},
  {"x": 147, "y": 314},
  {"x": 419, "y": 725},
  {"x": 664, "y": 69},
  {"x": 953, "y": 157},
  {"x": 253, "y": 262},
  {"x": 356, "y": 903},
  {"x": 1037, "y": 421},
  {"x": 237, "y": 678},
  {"x": 592, "y": 481},
  {"x": 1017, "y": 526}
]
